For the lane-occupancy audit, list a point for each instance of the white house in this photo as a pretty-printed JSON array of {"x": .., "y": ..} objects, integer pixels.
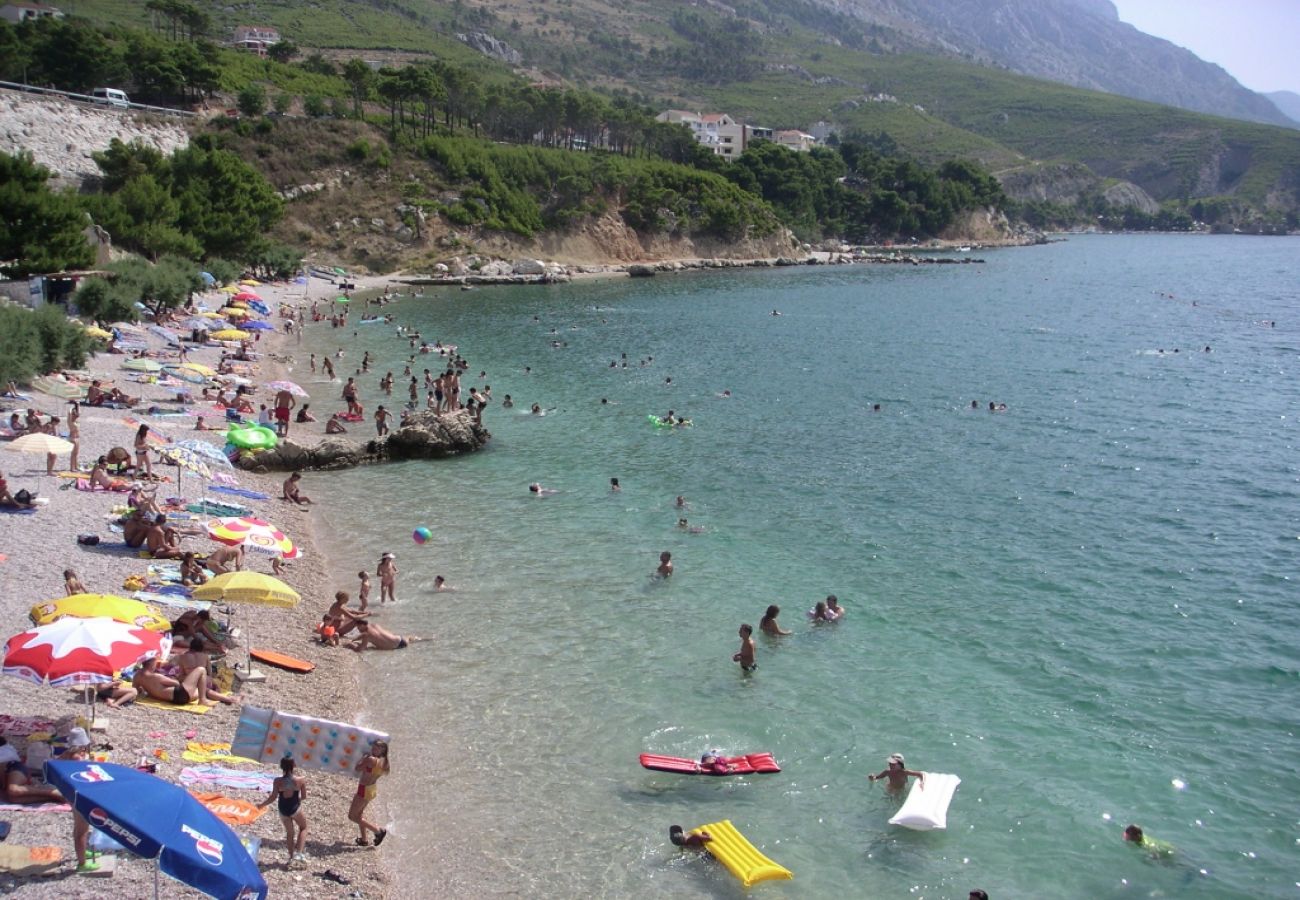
[
  {"x": 718, "y": 131},
  {"x": 793, "y": 139},
  {"x": 255, "y": 38},
  {"x": 20, "y": 12}
]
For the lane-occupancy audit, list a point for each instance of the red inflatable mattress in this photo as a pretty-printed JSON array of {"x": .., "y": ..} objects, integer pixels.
[{"x": 751, "y": 763}]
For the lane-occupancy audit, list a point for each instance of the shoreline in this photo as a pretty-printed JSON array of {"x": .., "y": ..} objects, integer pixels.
[{"x": 39, "y": 546}]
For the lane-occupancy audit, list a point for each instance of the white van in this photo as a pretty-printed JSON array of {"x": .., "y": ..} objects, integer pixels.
[{"x": 111, "y": 96}]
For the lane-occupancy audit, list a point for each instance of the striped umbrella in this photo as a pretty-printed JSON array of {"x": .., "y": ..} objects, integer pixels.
[
  {"x": 79, "y": 651},
  {"x": 142, "y": 365},
  {"x": 254, "y": 534},
  {"x": 289, "y": 386},
  {"x": 185, "y": 458},
  {"x": 210, "y": 453}
]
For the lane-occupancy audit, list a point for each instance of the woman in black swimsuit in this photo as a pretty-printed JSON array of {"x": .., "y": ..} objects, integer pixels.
[{"x": 289, "y": 790}]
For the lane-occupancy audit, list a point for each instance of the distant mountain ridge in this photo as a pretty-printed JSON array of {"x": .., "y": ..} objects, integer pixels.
[
  {"x": 1288, "y": 102},
  {"x": 1076, "y": 42}
]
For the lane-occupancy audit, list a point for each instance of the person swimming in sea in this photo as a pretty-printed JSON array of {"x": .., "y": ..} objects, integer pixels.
[
  {"x": 679, "y": 838},
  {"x": 538, "y": 491},
  {"x": 1156, "y": 848},
  {"x": 665, "y": 569},
  {"x": 897, "y": 773}
]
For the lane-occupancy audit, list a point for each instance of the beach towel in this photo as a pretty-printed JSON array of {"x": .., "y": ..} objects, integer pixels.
[
  {"x": 197, "y": 709},
  {"x": 18, "y": 510},
  {"x": 22, "y": 726},
  {"x": 29, "y": 861},
  {"x": 267, "y": 735},
  {"x": 35, "y": 807},
  {"x": 197, "y": 751},
  {"x": 175, "y": 601},
  {"x": 240, "y": 492},
  {"x": 231, "y": 778},
  {"x": 230, "y": 810}
]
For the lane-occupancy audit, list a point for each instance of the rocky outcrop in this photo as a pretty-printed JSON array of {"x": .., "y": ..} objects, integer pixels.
[
  {"x": 490, "y": 46},
  {"x": 62, "y": 135},
  {"x": 1125, "y": 194},
  {"x": 423, "y": 435}
]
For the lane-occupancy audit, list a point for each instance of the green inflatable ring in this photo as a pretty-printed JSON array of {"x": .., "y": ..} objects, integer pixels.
[{"x": 254, "y": 437}]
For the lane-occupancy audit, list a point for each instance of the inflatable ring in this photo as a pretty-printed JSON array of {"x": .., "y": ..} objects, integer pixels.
[{"x": 254, "y": 437}]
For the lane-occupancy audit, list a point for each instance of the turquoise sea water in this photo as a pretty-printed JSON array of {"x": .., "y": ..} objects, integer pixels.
[{"x": 1083, "y": 606}]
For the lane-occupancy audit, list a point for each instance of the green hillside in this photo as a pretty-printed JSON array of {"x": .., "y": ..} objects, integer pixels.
[{"x": 790, "y": 63}]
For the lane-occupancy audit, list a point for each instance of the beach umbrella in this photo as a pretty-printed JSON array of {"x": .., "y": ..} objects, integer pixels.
[
  {"x": 209, "y": 314},
  {"x": 165, "y": 333},
  {"x": 259, "y": 326},
  {"x": 211, "y": 453},
  {"x": 197, "y": 322},
  {"x": 234, "y": 312},
  {"x": 75, "y": 651},
  {"x": 185, "y": 374},
  {"x": 157, "y": 820},
  {"x": 184, "y": 458},
  {"x": 253, "y": 534},
  {"x": 232, "y": 289},
  {"x": 289, "y": 386},
  {"x": 198, "y": 369},
  {"x": 230, "y": 334},
  {"x": 142, "y": 365},
  {"x": 250, "y": 282},
  {"x": 246, "y": 295},
  {"x": 342, "y": 299},
  {"x": 100, "y": 334},
  {"x": 90, "y": 606},
  {"x": 252, "y": 588},
  {"x": 208, "y": 278},
  {"x": 40, "y": 442}
]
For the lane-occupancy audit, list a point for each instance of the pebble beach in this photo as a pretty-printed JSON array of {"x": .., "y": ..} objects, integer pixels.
[{"x": 36, "y": 548}]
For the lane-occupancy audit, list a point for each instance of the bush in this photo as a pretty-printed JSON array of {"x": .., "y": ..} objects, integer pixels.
[
  {"x": 359, "y": 150},
  {"x": 252, "y": 100},
  {"x": 32, "y": 343}
]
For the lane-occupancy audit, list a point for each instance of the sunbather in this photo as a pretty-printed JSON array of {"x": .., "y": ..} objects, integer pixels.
[
  {"x": 162, "y": 542},
  {"x": 149, "y": 681},
  {"x": 197, "y": 657},
  {"x": 16, "y": 786}
]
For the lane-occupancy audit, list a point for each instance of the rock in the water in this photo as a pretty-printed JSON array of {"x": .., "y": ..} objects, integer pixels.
[
  {"x": 426, "y": 435},
  {"x": 529, "y": 267},
  {"x": 641, "y": 271}
]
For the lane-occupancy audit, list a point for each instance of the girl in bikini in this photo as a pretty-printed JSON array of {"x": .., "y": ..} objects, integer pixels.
[
  {"x": 373, "y": 767},
  {"x": 289, "y": 790}
]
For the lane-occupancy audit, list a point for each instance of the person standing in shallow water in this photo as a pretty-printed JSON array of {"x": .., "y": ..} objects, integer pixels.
[
  {"x": 386, "y": 572},
  {"x": 745, "y": 656},
  {"x": 768, "y": 623}
]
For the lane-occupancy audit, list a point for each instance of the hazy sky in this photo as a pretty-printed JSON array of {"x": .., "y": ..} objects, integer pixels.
[{"x": 1257, "y": 41}]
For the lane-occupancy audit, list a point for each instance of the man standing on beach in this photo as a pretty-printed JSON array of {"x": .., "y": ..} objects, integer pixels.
[{"x": 284, "y": 402}]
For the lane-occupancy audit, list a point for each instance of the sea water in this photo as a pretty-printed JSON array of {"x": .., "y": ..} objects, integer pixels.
[{"x": 1083, "y": 605}]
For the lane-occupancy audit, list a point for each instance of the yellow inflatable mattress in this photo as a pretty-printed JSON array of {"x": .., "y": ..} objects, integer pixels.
[{"x": 741, "y": 858}]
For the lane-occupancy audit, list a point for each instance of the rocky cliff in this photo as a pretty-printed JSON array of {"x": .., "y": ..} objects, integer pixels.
[
  {"x": 1078, "y": 42},
  {"x": 62, "y": 135}
]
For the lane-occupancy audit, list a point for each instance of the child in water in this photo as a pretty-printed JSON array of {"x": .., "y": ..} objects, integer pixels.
[{"x": 665, "y": 569}]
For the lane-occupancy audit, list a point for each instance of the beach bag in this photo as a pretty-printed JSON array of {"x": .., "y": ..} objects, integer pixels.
[
  {"x": 23, "y": 497},
  {"x": 88, "y": 540}
]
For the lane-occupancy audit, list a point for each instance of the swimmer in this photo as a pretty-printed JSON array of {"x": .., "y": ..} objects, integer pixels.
[
  {"x": 776, "y": 312},
  {"x": 745, "y": 656},
  {"x": 614, "y": 486},
  {"x": 441, "y": 586},
  {"x": 725, "y": 395},
  {"x": 686, "y": 526},
  {"x": 536, "y": 409},
  {"x": 820, "y": 613},
  {"x": 537, "y": 490},
  {"x": 507, "y": 403},
  {"x": 665, "y": 569},
  {"x": 681, "y": 502},
  {"x": 1157, "y": 849},
  {"x": 714, "y": 761},
  {"x": 768, "y": 625},
  {"x": 833, "y": 608},
  {"x": 897, "y": 774}
]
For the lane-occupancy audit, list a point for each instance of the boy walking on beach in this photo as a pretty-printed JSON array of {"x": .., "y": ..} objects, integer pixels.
[
  {"x": 386, "y": 572},
  {"x": 364, "y": 593}
]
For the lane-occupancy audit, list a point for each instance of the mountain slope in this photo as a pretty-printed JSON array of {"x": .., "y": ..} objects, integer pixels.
[
  {"x": 1077, "y": 42},
  {"x": 1288, "y": 102}
]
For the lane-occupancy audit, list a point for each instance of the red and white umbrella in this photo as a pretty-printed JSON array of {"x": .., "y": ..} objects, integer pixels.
[
  {"x": 254, "y": 534},
  {"x": 75, "y": 651}
]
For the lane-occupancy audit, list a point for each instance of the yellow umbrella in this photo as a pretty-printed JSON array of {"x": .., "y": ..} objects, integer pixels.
[
  {"x": 232, "y": 289},
  {"x": 230, "y": 334},
  {"x": 39, "y": 443},
  {"x": 235, "y": 312},
  {"x": 210, "y": 315},
  {"x": 251, "y": 283},
  {"x": 248, "y": 587},
  {"x": 198, "y": 369},
  {"x": 90, "y": 606},
  {"x": 96, "y": 332}
]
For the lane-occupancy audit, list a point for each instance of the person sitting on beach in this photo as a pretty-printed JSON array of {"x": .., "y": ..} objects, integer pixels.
[
  {"x": 380, "y": 638},
  {"x": 71, "y": 583},
  {"x": 142, "y": 498},
  {"x": 97, "y": 396},
  {"x": 6, "y": 498},
  {"x": 328, "y": 631},
  {"x": 745, "y": 656},
  {"x": 162, "y": 542},
  {"x": 768, "y": 625},
  {"x": 149, "y": 681},
  {"x": 1156, "y": 848},
  {"x": 196, "y": 657},
  {"x": 345, "y": 617},
  {"x": 99, "y": 475},
  {"x": 116, "y": 694},
  {"x": 334, "y": 426},
  {"x": 200, "y": 425},
  {"x": 225, "y": 559},
  {"x": 135, "y": 528},
  {"x": 290, "y": 491},
  {"x": 16, "y": 786},
  {"x": 304, "y": 415},
  {"x": 897, "y": 773},
  {"x": 191, "y": 571},
  {"x": 694, "y": 841},
  {"x": 16, "y": 424}
]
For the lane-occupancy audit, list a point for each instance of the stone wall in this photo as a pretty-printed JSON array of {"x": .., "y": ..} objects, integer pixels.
[{"x": 61, "y": 134}]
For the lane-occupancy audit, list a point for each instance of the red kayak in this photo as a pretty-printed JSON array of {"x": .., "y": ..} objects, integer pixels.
[{"x": 751, "y": 763}]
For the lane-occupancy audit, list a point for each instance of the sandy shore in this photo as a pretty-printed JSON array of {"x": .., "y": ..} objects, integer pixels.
[{"x": 34, "y": 551}]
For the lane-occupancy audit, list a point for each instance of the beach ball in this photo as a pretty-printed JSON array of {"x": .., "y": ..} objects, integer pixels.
[{"x": 421, "y": 534}]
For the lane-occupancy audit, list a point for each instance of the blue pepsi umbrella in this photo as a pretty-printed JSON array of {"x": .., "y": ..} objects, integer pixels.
[
  {"x": 158, "y": 820},
  {"x": 259, "y": 326}
]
